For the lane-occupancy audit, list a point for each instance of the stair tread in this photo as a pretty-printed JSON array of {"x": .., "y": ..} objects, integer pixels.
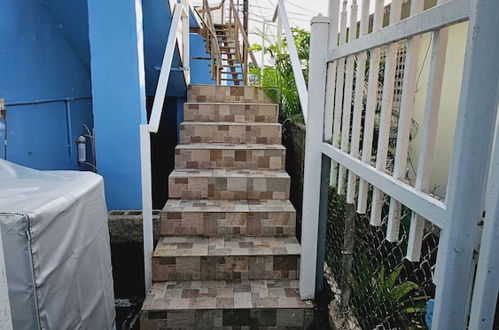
[
  {"x": 239, "y": 294},
  {"x": 230, "y": 146},
  {"x": 182, "y": 246},
  {"x": 237, "y": 173},
  {"x": 213, "y": 205}
]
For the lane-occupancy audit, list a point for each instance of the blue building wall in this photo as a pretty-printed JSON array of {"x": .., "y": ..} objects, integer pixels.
[
  {"x": 118, "y": 88},
  {"x": 41, "y": 76},
  {"x": 45, "y": 63},
  {"x": 200, "y": 63}
]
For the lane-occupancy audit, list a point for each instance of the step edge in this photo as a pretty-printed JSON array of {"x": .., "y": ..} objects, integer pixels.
[
  {"x": 230, "y": 123},
  {"x": 228, "y": 146}
]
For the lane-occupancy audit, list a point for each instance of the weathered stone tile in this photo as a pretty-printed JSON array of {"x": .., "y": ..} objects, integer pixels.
[
  {"x": 229, "y": 259},
  {"x": 236, "y": 133}
]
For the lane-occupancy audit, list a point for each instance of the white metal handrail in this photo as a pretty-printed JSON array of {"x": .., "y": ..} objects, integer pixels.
[
  {"x": 281, "y": 16},
  {"x": 178, "y": 36}
]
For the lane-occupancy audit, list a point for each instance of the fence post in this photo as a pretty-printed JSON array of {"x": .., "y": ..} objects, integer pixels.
[
  {"x": 484, "y": 302},
  {"x": 469, "y": 168},
  {"x": 322, "y": 225},
  {"x": 313, "y": 155}
]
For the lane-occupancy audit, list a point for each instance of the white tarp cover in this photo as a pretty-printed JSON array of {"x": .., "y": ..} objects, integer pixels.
[{"x": 56, "y": 245}]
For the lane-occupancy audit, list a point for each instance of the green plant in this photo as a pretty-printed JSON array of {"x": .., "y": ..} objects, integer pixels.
[
  {"x": 277, "y": 79},
  {"x": 394, "y": 299}
]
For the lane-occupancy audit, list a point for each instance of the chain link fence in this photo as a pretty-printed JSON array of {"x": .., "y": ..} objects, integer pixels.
[{"x": 371, "y": 280}]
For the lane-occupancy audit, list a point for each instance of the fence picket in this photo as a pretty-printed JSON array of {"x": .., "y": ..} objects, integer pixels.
[
  {"x": 347, "y": 100},
  {"x": 329, "y": 107},
  {"x": 356, "y": 122},
  {"x": 429, "y": 135},
  {"x": 404, "y": 123},
  {"x": 345, "y": 126},
  {"x": 358, "y": 103},
  {"x": 339, "y": 94},
  {"x": 371, "y": 104},
  {"x": 386, "y": 113}
]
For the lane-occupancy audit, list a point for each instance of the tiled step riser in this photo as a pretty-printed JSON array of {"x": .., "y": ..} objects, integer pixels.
[
  {"x": 226, "y": 268},
  {"x": 270, "y": 304},
  {"x": 255, "y": 159},
  {"x": 220, "y": 112},
  {"x": 193, "y": 187},
  {"x": 228, "y": 133},
  {"x": 228, "y": 224},
  {"x": 212, "y": 93},
  {"x": 227, "y": 319}
]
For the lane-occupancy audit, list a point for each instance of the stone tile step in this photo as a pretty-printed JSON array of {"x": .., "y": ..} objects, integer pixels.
[
  {"x": 181, "y": 258},
  {"x": 230, "y": 156},
  {"x": 228, "y": 218},
  {"x": 217, "y": 93},
  {"x": 228, "y": 184},
  {"x": 268, "y": 304},
  {"x": 226, "y": 132},
  {"x": 231, "y": 112}
]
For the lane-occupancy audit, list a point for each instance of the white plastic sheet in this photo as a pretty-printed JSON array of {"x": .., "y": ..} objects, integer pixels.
[{"x": 56, "y": 246}]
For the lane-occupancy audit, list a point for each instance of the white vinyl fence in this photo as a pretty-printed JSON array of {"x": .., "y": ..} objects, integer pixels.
[{"x": 350, "y": 124}]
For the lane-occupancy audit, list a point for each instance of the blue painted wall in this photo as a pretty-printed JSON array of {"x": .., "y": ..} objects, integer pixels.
[
  {"x": 40, "y": 68},
  {"x": 118, "y": 88},
  {"x": 45, "y": 63},
  {"x": 157, "y": 21},
  {"x": 200, "y": 68}
]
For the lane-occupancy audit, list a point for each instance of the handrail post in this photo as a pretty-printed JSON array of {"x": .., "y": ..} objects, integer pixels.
[
  {"x": 186, "y": 42},
  {"x": 313, "y": 158},
  {"x": 145, "y": 167}
]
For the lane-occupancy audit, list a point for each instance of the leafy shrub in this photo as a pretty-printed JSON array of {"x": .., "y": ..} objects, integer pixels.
[{"x": 277, "y": 80}]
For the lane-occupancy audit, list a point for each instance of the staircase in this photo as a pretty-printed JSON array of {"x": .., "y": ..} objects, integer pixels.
[
  {"x": 232, "y": 68},
  {"x": 227, "y": 43},
  {"x": 227, "y": 257}
]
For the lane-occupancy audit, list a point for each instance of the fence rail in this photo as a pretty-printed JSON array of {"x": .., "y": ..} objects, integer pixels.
[{"x": 353, "y": 116}]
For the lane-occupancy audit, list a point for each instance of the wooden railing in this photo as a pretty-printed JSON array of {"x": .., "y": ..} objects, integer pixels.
[
  {"x": 226, "y": 16},
  {"x": 211, "y": 40}
]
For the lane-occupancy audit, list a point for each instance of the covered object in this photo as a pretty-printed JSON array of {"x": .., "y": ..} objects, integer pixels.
[{"x": 56, "y": 245}]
